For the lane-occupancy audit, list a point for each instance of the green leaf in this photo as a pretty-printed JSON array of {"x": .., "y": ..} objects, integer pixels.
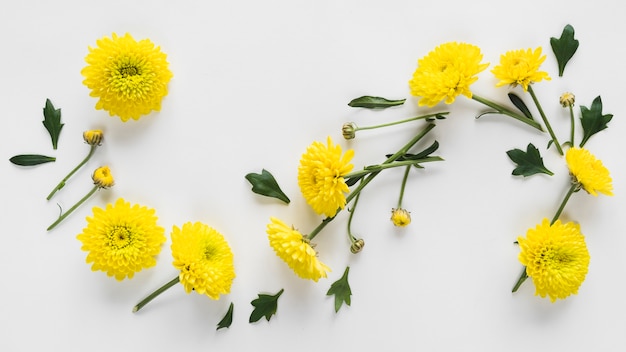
[
  {"x": 52, "y": 122},
  {"x": 529, "y": 162},
  {"x": 519, "y": 103},
  {"x": 592, "y": 119},
  {"x": 421, "y": 155},
  {"x": 265, "y": 184},
  {"x": 31, "y": 159},
  {"x": 227, "y": 319},
  {"x": 374, "y": 102},
  {"x": 265, "y": 306},
  {"x": 564, "y": 47},
  {"x": 341, "y": 290}
]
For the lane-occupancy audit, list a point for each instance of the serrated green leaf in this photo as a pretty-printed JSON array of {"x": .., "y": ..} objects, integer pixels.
[
  {"x": 52, "y": 122},
  {"x": 564, "y": 47},
  {"x": 341, "y": 290},
  {"x": 519, "y": 103},
  {"x": 265, "y": 306},
  {"x": 529, "y": 162},
  {"x": 265, "y": 184},
  {"x": 371, "y": 102},
  {"x": 592, "y": 119},
  {"x": 31, "y": 159},
  {"x": 227, "y": 320}
]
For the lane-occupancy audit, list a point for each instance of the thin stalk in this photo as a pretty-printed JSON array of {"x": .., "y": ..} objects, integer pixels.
[
  {"x": 573, "y": 123},
  {"x": 506, "y": 111},
  {"x": 381, "y": 167},
  {"x": 401, "y": 121},
  {"x": 350, "y": 235},
  {"x": 62, "y": 183},
  {"x": 406, "y": 176},
  {"x": 545, "y": 120},
  {"x": 156, "y": 293},
  {"x": 64, "y": 215}
]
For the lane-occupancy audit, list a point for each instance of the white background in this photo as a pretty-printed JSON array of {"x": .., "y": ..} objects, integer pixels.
[{"x": 255, "y": 82}]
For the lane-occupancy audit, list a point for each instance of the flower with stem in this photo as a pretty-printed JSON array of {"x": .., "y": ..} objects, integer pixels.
[
  {"x": 94, "y": 139},
  {"x": 567, "y": 101},
  {"x": 399, "y": 216},
  {"x": 204, "y": 259},
  {"x": 128, "y": 77},
  {"x": 349, "y": 129},
  {"x": 102, "y": 179},
  {"x": 122, "y": 239}
]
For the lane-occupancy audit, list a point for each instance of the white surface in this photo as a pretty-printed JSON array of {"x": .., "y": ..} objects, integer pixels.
[{"x": 255, "y": 82}]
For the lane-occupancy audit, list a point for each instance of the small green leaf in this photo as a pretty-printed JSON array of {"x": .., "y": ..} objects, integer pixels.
[
  {"x": 529, "y": 162},
  {"x": 519, "y": 103},
  {"x": 227, "y": 319},
  {"x": 370, "y": 102},
  {"x": 341, "y": 290},
  {"x": 592, "y": 119},
  {"x": 265, "y": 184},
  {"x": 31, "y": 159},
  {"x": 52, "y": 122},
  {"x": 564, "y": 47},
  {"x": 265, "y": 306}
]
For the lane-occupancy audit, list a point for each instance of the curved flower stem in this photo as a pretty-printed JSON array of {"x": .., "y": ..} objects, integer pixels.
[
  {"x": 506, "y": 111},
  {"x": 381, "y": 167},
  {"x": 350, "y": 235},
  {"x": 62, "y": 183},
  {"x": 64, "y": 215},
  {"x": 545, "y": 120},
  {"x": 434, "y": 115},
  {"x": 406, "y": 176},
  {"x": 154, "y": 294},
  {"x": 571, "y": 134}
]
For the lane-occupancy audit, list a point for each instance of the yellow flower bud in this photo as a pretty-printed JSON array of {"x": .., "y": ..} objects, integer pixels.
[
  {"x": 567, "y": 99},
  {"x": 400, "y": 217},
  {"x": 348, "y": 130},
  {"x": 102, "y": 177},
  {"x": 93, "y": 137},
  {"x": 357, "y": 246}
]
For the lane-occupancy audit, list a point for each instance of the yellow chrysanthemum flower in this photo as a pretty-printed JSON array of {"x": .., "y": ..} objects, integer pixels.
[
  {"x": 589, "y": 172},
  {"x": 93, "y": 137},
  {"x": 520, "y": 67},
  {"x": 400, "y": 217},
  {"x": 204, "y": 259},
  {"x": 102, "y": 177},
  {"x": 295, "y": 250},
  {"x": 446, "y": 72},
  {"x": 320, "y": 177},
  {"x": 556, "y": 258},
  {"x": 122, "y": 239},
  {"x": 129, "y": 77}
]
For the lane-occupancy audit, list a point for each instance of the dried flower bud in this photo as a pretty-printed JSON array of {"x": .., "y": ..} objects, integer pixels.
[
  {"x": 357, "y": 246},
  {"x": 567, "y": 99},
  {"x": 348, "y": 130},
  {"x": 102, "y": 177},
  {"x": 93, "y": 137},
  {"x": 400, "y": 217}
]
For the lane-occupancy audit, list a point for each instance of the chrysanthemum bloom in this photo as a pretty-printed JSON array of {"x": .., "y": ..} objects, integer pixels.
[
  {"x": 130, "y": 78},
  {"x": 321, "y": 177},
  {"x": 93, "y": 137},
  {"x": 122, "y": 239},
  {"x": 520, "y": 67},
  {"x": 102, "y": 177},
  {"x": 204, "y": 259},
  {"x": 446, "y": 72},
  {"x": 295, "y": 250},
  {"x": 556, "y": 258},
  {"x": 589, "y": 172},
  {"x": 400, "y": 217}
]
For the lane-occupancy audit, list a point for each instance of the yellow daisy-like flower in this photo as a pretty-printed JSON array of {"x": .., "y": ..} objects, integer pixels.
[
  {"x": 122, "y": 239},
  {"x": 400, "y": 217},
  {"x": 295, "y": 250},
  {"x": 102, "y": 177},
  {"x": 129, "y": 77},
  {"x": 204, "y": 259},
  {"x": 520, "y": 67},
  {"x": 556, "y": 258},
  {"x": 93, "y": 137},
  {"x": 446, "y": 72},
  {"x": 321, "y": 177},
  {"x": 589, "y": 172}
]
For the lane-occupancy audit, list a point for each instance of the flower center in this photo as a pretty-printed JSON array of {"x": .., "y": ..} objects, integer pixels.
[
  {"x": 120, "y": 237},
  {"x": 129, "y": 70},
  {"x": 209, "y": 252}
]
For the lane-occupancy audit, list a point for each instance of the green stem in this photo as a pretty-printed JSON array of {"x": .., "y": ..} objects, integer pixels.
[
  {"x": 154, "y": 294},
  {"x": 571, "y": 135},
  {"x": 402, "y": 121},
  {"x": 64, "y": 215},
  {"x": 62, "y": 183},
  {"x": 350, "y": 235},
  {"x": 377, "y": 168},
  {"x": 523, "y": 276},
  {"x": 545, "y": 119},
  {"x": 506, "y": 111},
  {"x": 406, "y": 176}
]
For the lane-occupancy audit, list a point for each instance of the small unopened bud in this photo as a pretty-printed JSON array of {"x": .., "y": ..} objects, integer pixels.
[
  {"x": 93, "y": 137},
  {"x": 400, "y": 217},
  {"x": 348, "y": 130},
  {"x": 102, "y": 177},
  {"x": 567, "y": 99},
  {"x": 357, "y": 246}
]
